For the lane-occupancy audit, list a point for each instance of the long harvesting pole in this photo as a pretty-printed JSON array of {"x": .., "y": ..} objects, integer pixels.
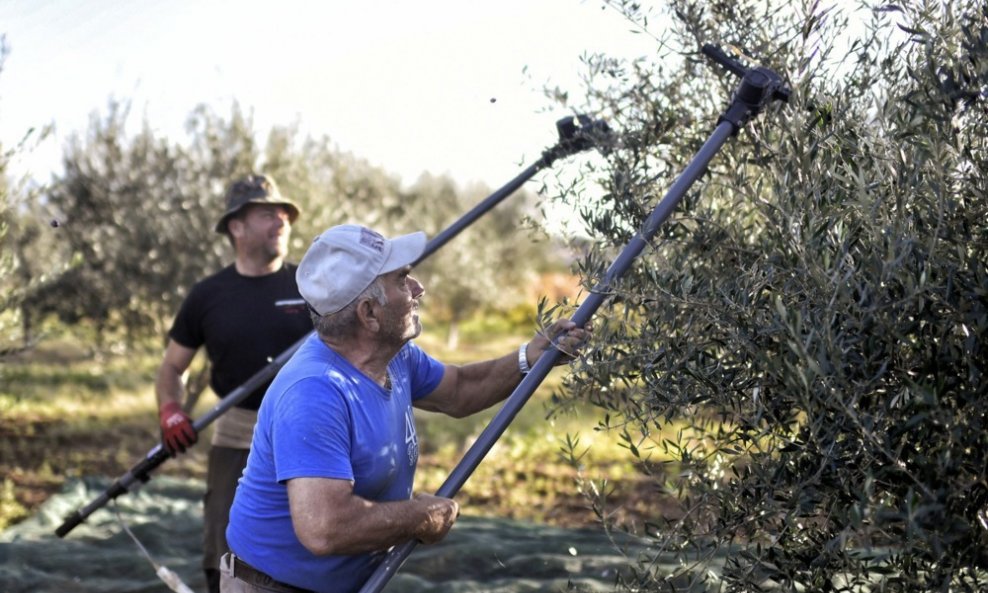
[{"x": 758, "y": 87}]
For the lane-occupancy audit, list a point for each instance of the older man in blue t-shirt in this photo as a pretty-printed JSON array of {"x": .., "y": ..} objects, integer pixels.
[{"x": 328, "y": 485}]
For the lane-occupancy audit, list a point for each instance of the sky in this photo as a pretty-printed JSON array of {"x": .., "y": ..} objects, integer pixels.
[{"x": 446, "y": 86}]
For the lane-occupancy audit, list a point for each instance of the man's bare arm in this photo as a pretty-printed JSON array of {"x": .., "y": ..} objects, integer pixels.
[
  {"x": 470, "y": 388},
  {"x": 168, "y": 385},
  {"x": 330, "y": 519}
]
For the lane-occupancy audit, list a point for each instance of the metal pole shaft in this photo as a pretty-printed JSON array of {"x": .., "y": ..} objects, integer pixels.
[
  {"x": 479, "y": 210},
  {"x": 462, "y": 472}
]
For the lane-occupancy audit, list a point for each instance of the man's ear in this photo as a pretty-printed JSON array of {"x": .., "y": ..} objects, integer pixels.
[
  {"x": 236, "y": 227},
  {"x": 368, "y": 316}
]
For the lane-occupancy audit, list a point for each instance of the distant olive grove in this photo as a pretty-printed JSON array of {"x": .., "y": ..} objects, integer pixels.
[{"x": 113, "y": 242}]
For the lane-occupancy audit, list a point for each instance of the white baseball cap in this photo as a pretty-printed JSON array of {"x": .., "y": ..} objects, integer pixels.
[{"x": 344, "y": 260}]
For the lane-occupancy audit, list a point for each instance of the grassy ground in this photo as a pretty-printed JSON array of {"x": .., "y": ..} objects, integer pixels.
[{"x": 65, "y": 413}]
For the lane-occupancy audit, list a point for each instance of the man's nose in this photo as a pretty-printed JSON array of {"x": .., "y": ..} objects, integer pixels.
[{"x": 416, "y": 287}]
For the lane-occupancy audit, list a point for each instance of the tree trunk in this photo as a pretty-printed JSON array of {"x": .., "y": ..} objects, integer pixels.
[
  {"x": 453, "y": 335},
  {"x": 25, "y": 326}
]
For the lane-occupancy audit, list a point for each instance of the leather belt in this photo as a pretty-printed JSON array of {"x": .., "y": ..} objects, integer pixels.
[{"x": 250, "y": 575}]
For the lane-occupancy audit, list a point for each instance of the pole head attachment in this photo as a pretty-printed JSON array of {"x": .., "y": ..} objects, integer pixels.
[
  {"x": 759, "y": 87},
  {"x": 578, "y": 133}
]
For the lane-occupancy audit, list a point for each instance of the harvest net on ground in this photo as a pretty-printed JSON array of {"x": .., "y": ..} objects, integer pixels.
[{"x": 165, "y": 516}]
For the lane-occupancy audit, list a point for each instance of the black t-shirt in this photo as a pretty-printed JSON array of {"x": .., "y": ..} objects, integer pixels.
[{"x": 245, "y": 322}]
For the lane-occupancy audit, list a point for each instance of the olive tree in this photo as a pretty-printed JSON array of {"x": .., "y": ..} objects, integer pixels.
[
  {"x": 485, "y": 267},
  {"x": 130, "y": 209},
  {"x": 27, "y": 260},
  {"x": 798, "y": 360}
]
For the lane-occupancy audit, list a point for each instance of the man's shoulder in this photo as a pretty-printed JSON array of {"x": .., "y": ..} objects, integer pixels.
[
  {"x": 287, "y": 272},
  {"x": 224, "y": 274},
  {"x": 411, "y": 352},
  {"x": 209, "y": 284},
  {"x": 313, "y": 369},
  {"x": 230, "y": 275}
]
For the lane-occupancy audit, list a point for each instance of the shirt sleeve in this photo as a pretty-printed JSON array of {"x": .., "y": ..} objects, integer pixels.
[
  {"x": 426, "y": 372},
  {"x": 187, "y": 327},
  {"x": 310, "y": 432}
]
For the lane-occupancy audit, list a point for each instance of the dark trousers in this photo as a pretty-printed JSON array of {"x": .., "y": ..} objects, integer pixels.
[{"x": 224, "y": 470}]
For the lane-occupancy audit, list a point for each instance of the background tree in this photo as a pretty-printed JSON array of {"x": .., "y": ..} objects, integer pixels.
[
  {"x": 10, "y": 299},
  {"x": 813, "y": 319},
  {"x": 496, "y": 252},
  {"x": 136, "y": 213},
  {"x": 341, "y": 187},
  {"x": 129, "y": 212},
  {"x": 24, "y": 264}
]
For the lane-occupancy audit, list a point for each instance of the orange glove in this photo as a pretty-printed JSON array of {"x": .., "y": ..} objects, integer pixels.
[{"x": 177, "y": 431}]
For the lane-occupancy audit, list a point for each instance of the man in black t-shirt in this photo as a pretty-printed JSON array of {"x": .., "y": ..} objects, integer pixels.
[{"x": 245, "y": 315}]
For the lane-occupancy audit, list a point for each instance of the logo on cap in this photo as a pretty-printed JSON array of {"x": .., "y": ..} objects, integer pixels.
[{"x": 371, "y": 239}]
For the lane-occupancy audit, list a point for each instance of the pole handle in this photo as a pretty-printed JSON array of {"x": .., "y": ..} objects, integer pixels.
[{"x": 718, "y": 55}]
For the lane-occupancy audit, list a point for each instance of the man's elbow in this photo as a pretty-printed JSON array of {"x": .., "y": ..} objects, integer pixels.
[
  {"x": 320, "y": 548},
  {"x": 320, "y": 544},
  {"x": 447, "y": 406},
  {"x": 460, "y": 412}
]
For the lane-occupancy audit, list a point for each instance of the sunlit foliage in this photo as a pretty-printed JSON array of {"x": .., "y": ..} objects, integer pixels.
[{"x": 817, "y": 309}]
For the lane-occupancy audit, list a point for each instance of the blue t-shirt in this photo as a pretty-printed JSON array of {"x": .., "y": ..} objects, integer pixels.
[{"x": 323, "y": 418}]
